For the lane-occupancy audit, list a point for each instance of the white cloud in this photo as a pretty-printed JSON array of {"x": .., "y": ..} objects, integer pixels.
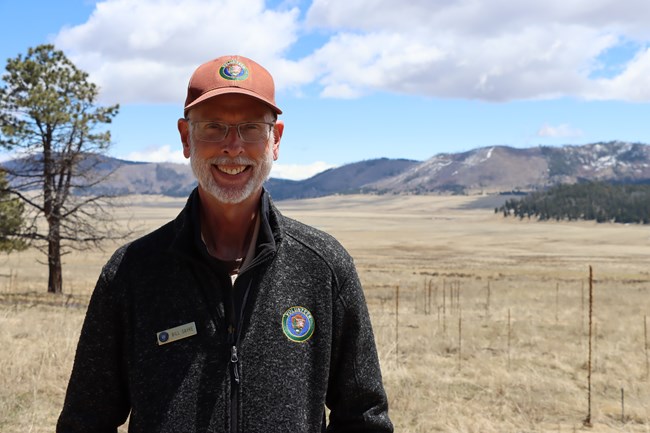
[
  {"x": 499, "y": 50},
  {"x": 298, "y": 172},
  {"x": 630, "y": 85},
  {"x": 6, "y": 156},
  {"x": 478, "y": 18},
  {"x": 560, "y": 131},
  {"x": 145, "y": 51},
  {"x": 158, "y": 154}
]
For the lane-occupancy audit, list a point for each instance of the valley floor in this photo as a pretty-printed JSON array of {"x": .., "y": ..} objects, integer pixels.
[{"x": 481, "y": 322}]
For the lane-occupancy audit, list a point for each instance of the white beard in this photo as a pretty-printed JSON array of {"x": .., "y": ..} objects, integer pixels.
[{"x": 232, "y": 195}]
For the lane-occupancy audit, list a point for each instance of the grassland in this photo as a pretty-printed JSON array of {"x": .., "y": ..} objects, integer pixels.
[{"x": 492, "y": 330}]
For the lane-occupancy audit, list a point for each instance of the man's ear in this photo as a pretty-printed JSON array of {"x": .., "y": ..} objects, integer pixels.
[
  {"x": 278, "y": 129},
  {"x": 184, "y": 130}
]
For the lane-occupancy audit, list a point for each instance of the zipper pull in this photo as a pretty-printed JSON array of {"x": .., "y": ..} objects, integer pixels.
[{"x": 234, "y": 359}]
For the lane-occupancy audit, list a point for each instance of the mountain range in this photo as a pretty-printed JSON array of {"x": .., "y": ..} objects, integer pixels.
[
  {"x": 486, "y": 170},
  {"x": 505, "y": 169}
]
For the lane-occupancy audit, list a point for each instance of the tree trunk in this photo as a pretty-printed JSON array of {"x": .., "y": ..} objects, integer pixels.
[{"x": 55, "y": 279}]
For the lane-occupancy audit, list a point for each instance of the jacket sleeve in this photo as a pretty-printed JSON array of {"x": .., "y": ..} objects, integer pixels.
[
  {"x": 97, "y": 395},
  {"x": 356, "y": 396}
]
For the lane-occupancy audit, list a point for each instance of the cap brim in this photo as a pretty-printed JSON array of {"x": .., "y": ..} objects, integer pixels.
[{"x": 226, "y": 90}]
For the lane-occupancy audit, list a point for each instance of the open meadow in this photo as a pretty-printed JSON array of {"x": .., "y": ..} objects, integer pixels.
[{"x": 482, "y": 322}]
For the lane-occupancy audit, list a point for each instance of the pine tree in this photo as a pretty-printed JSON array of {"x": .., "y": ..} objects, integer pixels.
[
  {"x": 49, "y": 115},
  {"x": 11, "y": 218}
]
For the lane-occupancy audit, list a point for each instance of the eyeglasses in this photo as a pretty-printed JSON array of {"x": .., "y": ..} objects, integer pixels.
[{"x": 249, "y": 132}]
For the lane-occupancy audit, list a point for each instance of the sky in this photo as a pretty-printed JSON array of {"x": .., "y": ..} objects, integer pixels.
[{"x": 363, "y": 79}]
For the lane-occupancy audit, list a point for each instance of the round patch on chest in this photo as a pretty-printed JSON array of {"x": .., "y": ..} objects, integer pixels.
[{"x": 298, "y": 324}]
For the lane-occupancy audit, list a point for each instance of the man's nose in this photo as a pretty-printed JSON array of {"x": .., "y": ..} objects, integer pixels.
[{"x": 232, "y": 144}]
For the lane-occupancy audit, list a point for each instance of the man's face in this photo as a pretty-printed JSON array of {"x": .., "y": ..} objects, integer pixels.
[{"x": 231, "y": 170}]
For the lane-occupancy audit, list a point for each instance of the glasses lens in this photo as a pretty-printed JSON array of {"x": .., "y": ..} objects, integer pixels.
[
  {"x": 211, "y": 131},
  {"x": 217, "y": 131},
  {"x": 253, "y": 131}
]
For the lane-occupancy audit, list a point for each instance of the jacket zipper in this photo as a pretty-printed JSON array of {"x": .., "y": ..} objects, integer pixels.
[
  {"x": 235, "y": 335},
  {"x": 233, "y": 338},
  {"x": 234, "y": 359},
  {"x": 234, "y": 362}
]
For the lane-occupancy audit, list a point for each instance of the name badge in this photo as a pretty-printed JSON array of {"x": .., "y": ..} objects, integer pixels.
[{"x": 175, "y": 334}]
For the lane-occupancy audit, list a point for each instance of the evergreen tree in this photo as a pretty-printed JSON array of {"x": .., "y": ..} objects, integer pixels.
[
  {"x": 598, "y": 201},
  {"x": 11, "y": 218},
  {"x": 49, "y": 115}
]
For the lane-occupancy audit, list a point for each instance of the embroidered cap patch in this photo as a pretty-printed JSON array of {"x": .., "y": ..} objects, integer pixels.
[
  {"x": 234, "y": 71},
  {"x": 298, "y": 324}
]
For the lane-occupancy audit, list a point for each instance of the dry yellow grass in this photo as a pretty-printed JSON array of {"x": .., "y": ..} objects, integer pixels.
[{"x": 437, "y": 380}]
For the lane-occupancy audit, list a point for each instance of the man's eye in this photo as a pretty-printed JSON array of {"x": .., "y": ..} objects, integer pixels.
[
  {"x": 252, "y": 126},
  {"x": 213, "y": 126}
]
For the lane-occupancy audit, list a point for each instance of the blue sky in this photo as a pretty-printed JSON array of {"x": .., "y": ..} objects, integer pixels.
[{"x": 362, "y": 79}]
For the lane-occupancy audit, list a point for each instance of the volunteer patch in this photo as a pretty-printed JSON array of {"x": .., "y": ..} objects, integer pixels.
[
  {"x": 233, "y": 70},
  {"x": 175, "y": 334},
  {"x": 298, "y": 324}
]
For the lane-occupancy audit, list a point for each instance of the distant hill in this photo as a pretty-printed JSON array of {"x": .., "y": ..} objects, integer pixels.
[
  {"x": 494, "y": 169},
  {"x": 124, "y": 177},
  {"x": 347, "y": 179},
  {"x": 502, "y": 168},
  {"x": 176, "y": 180}
]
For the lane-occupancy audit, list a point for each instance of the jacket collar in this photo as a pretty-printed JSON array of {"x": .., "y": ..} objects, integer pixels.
[{"x": 186, "y": 226}]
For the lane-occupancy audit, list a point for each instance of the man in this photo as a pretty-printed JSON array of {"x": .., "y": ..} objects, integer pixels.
[{"x": 232, "y": 317}]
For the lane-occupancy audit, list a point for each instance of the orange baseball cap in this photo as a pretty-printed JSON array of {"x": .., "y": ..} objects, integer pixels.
[{"x": 231, "y": 74}]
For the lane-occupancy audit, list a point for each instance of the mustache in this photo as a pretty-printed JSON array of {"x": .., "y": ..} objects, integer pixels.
[{"x": 238, "y": 160}]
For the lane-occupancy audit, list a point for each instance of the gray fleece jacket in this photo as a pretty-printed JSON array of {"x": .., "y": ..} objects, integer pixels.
[{"x": 157, "y": 342}]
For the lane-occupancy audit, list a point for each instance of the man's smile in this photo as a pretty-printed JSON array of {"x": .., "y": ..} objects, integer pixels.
[{"x": 232, "y": 169}]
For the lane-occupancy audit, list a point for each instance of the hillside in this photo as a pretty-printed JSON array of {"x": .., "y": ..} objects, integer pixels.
[
  {"x": 502, "y": 168},
  {"x": 350, "y": 178},
  {"x": 176, "y": 180}
]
